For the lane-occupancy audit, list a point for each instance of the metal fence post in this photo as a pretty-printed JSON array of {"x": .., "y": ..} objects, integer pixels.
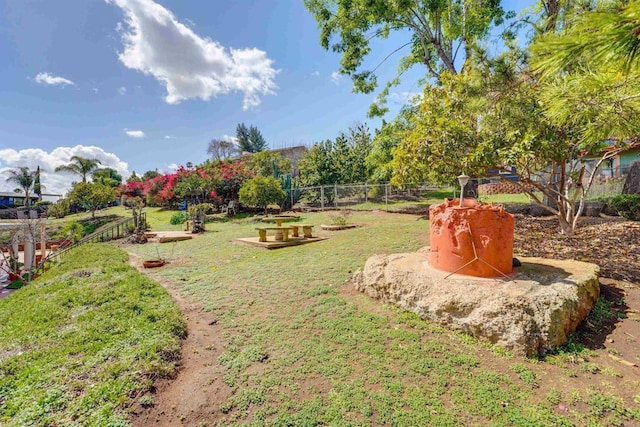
[
  {"x": 386, "y": 196},
  {"x": 335, "y": 195},
  {"x": 322, "y": 197},
  {"x": 366, "y": 196}
]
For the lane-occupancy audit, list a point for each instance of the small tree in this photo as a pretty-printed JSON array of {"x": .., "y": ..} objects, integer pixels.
[
  {"x": 341, "y": 161},
  {"x": 60, "y": 209},
  {"x": 268, "y": 163},
  {"x": 107, "y": 176},
  {"x": 92, "y": 196},
  {"x": 25, "y": 178},
  {"x": 220, "y": 149},
  {"x": 261, "y": 191},
  {"x": 249, "y": 139}
]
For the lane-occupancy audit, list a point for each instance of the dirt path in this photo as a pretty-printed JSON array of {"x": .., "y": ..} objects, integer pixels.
[{"x": 194, "y": 396}]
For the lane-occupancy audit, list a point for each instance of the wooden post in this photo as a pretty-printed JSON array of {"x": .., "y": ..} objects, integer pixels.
[
  {"x": 43, "y": 240},
  {"x": 386, "y": 196}
]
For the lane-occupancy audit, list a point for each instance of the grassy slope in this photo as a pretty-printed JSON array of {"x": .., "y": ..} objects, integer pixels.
[
  {"x": 298, "y": 352},
  {"x": 79, "y": 342}
]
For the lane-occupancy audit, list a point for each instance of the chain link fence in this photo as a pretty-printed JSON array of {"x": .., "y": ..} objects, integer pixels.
[
  {"x": 364, "y": 196},
  {"x": 390, "y": 198}
]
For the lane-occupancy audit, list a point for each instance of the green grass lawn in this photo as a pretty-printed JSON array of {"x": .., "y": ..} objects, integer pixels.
[
  {"x": 80, "y": 342},
  {"x": 301, "y": 349}
]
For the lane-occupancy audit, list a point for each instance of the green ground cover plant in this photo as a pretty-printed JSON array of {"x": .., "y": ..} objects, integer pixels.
[
  {"x": 81, "y": 342},
  {"x": 627, "y": 206},
  {"x": 300, "y": 347}
]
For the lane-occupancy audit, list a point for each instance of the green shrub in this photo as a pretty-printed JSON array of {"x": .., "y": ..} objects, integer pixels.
[
  {"x": 89, "y": 227},
  {"x": 72, "y": 230},
  {"x": 178, "y": 218},
  {"x": 201, "y": 209},
  {"x": 261, "y": 191},
  {"x": 60, "y": 209},
  {"x": 627, "y": 206}
]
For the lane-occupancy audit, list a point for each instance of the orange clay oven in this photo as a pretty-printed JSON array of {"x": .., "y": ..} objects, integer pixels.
[{"x": 455, "y": 231}]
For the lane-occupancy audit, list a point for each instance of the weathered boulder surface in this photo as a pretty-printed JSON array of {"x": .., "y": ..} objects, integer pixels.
[
  {"x": 632, "y": 182},
  {"x": 538, "y": 309}
]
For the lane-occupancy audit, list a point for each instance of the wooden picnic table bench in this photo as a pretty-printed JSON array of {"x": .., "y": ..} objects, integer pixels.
[
  {"x": 306, "y": 230},
  {"x": 282, "y": 233}
]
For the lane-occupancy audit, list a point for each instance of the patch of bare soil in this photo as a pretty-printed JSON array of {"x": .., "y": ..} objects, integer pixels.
[
  {"x": 612, "y": 243},
  {"x": 193, "y": 397}
]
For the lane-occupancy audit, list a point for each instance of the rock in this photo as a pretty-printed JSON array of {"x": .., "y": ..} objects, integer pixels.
[
  {"x": 593, "y": 209},
  {"x": 527, "y": 209},
  {"x": 528, "y": 315},
  {"x": 632, "y": 182}
]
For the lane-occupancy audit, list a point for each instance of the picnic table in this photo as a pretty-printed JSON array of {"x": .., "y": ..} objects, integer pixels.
[
  {"x": 306, "y": 230},
  {"x": 282, "y": 233}
]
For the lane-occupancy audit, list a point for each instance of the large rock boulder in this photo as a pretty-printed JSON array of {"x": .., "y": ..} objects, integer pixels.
[
  {"x": 632, "y": 182},
  {"x": 538, "y": 309}
]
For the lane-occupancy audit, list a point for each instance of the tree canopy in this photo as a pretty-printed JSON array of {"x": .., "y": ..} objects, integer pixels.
[
  {"x": 439, "y": 35},
  {"x": 80, "y": 166},
  {"x": 25, "y": 179},
  {"x": 340, "y": 161},
  {"x": 220, "y": 149},
  {"x": 107, "y": 176},
  {"x": 91, "y": 195},
  {"x": 249, "y": 139},
  {"x": 261, "y": 191},
  {"x": 546, "y": 120},
  {"x": 269, "y": 163}
]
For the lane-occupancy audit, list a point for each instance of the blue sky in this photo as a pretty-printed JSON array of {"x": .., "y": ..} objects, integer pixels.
[{"x": 106, "y": 79}]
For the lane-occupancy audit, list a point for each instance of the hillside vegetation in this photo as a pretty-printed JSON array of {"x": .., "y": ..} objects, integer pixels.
[{"x": 77, "y": 344}]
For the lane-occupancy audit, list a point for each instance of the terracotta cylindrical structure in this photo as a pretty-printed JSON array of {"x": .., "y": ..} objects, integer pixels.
[{"x": 456, "y": 231}]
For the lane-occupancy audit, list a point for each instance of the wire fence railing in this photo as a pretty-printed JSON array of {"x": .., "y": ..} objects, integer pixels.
[
  {"x": 387, "y": 197},
  {"x": 365, "y": 196},
  {"x": 118, "y": 230}
]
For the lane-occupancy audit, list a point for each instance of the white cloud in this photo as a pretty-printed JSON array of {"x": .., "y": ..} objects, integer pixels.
[
  {"x": 168, "y": 137},
  {"x": 48, "y": 79},
  {"x": 134, "y": 133},
  {"x": 230, "y": 138},
  {"x": 405, "y": 97},
  {"x": 55, "y": 182},
  {"x": 172, "y": 167},
  {"x": 187, "y": 64},
  {"x": 336, "y": 77},
  {"x": 315, "y": 73},
  {"x": 122, "y": 90}
]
